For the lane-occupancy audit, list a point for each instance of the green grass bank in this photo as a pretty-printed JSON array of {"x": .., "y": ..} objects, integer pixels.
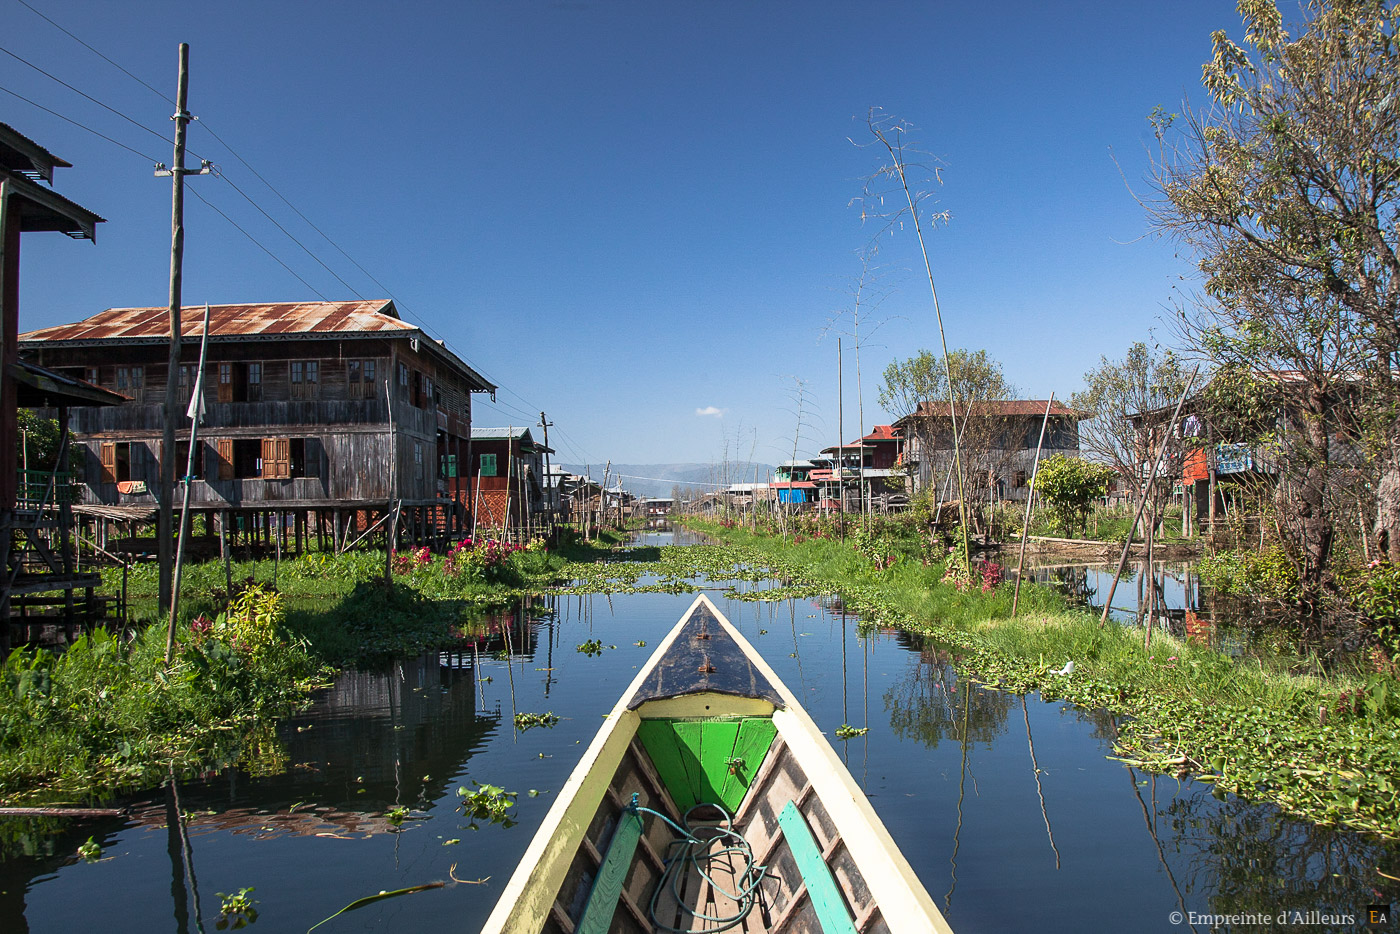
[{"x": 1322, "y": 747}]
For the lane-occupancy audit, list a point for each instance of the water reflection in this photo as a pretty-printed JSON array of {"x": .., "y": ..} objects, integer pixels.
[{"x": 992, "y": 810}]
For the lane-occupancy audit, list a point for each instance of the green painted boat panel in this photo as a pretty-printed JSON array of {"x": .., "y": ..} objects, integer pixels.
[
  {"x": 755, "y": 738},
  {"x": 607, "y": 887},
  {"x": 693, "y": 757},
  {"x": 821, "y": 887}
]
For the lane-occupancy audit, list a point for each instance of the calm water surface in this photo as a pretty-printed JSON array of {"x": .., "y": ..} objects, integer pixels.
[{"x": 1006, "y": 807}]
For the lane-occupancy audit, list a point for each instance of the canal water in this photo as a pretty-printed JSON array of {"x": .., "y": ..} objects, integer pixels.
[{"x": 1007, "y": 807}]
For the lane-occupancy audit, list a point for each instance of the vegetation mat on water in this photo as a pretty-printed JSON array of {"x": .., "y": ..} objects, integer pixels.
[
  {"x": 1322, "y": 748},
  {"x": 108, "y": 713}
]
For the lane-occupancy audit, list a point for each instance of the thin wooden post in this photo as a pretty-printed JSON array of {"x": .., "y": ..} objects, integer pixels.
[
  {"x": 1142, "y": 500},
  {"x": 225, "y": 553},
  {"x": 1030, "y": 495}
]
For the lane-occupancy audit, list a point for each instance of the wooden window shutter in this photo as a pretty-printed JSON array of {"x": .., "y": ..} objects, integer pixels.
[
  {"x": 109, "y": 462},
  {"x": 224, "y": 448},
  {"x": 277, "y": 459}
]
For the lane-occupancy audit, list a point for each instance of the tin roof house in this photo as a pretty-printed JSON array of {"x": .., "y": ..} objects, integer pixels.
[{"x": 324, "y": 411}]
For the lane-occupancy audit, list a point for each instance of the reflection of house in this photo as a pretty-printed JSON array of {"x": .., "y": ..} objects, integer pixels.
[
  {"x": 508, "y": 478},
  {"x": 656, "y": 507},
  {"x": 998, "y": 439},
  {"x": 36, "y": 522},
  {"x": 326, "y": 409}
]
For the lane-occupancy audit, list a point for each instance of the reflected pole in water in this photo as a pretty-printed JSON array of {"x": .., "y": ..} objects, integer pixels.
[
  {"x": 182, "y": 881},
  {"x": 1035, "y": 770},
  {"x": 962, "y": 783},
  {"x": 510, "y": 675},
  {"x": 845, "y": 713},
  {"x": 1152, "y": 831},
  {"x": 792, "y": 621}
]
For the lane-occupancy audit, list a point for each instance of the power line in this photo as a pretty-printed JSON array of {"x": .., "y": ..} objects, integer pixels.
[
  {"x": 257, "y": 242},
  {"x": 408, "y": 313},
  {"x": 132, "y": 120},
  {"x": 284, "y": 230},
  {"x": 80, "y": 126},
  {"x": 158, "y": 93}
]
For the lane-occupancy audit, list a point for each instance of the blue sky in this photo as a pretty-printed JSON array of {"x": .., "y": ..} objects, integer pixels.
[{"x": 627, "y": 213}]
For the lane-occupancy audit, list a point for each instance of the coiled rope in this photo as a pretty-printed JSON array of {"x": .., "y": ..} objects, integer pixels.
[{"x": 695, "y": 849}]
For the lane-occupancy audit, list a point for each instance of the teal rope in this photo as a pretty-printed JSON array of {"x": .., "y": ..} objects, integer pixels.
[{"x": 690, "y": 850}]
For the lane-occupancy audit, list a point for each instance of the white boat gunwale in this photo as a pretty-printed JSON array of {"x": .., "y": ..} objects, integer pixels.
[{"x": 526, "y": 903}]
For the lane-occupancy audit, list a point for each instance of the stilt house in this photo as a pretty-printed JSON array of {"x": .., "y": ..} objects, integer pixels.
[
  {"x": 36, "y": 526},
  {"x": 315, "y": 412}
]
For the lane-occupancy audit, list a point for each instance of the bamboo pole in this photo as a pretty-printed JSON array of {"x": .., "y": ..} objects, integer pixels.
[
  {"x": 1030, "y": 495},
  {"x": 1142, "y": 499},
  {"x": 195, "y": 414}
]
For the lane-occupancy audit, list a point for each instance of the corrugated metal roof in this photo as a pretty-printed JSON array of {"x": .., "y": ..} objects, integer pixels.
[{"x": 230, "y": 321}]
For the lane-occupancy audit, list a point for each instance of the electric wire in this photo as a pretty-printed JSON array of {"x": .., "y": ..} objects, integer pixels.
[
  {"x": 255, "y": 240},
  {"x": 129, "y": 119},
  {"x": 94, "y": 51},
  {"x": 407, "y": 312},
  {"x": 353, "y": 291},
  {"x": 80, "y": 126}
]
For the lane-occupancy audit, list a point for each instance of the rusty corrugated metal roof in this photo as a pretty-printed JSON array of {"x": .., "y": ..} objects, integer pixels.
[{"x": 231, "y": 321}]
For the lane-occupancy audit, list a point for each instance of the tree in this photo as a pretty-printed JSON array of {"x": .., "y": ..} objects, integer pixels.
[
  {"x": 1125, "y": 403},
  {"x": 1069, "y": 487},
  {"x": 1287, "y": 187},
  {"x": 977, "y": 379},
  {"x": 1113, "y": 395}
]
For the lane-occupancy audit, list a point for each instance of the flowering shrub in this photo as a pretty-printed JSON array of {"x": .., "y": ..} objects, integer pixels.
[
  {"x": 406, "y": 562},
  {"x": 992, "y": 576}
]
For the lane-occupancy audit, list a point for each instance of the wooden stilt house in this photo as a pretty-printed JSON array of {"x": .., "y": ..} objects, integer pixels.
[
  {"x": 39, "y": 562},
  {"x": 320, "y": 417}
]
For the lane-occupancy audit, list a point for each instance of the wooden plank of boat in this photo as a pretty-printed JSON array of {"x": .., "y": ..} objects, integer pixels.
[{"x": 636, "y": 841}]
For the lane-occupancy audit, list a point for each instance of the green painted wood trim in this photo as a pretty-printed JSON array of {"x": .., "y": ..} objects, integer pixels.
[
  {"x": 821, "y": 886},
  {"x": 607, "y": 887},
  {"x": 693, "y": 756},
  {"x": 755, "y": 738}
]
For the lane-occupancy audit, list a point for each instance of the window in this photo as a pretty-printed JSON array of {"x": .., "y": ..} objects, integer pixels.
[
  {"x": 276, "y": 459},
  {"x": 418, "y": 460},
  {"x": 487, "y": 465},
  {"x": 360, "y": 374},
  {"x": 116, "y": 462},
  {"x": 447, "y": 466},
  {"x": 92, "y": 375},
  {"x": 403, "y": 379},
  {"x": 187, "y": 378},
  {"x": 182, "y": 461},
  {"x": 306, "y": 378},
  {"x": 130, "y": 380},
  {"x": 255, "y": 382},
  {"x": 1020, "y": 479},
  {"x": 423, "y": 396},
  {"x": 306, "y": 457},
  {"x": 239, "y": 458}
]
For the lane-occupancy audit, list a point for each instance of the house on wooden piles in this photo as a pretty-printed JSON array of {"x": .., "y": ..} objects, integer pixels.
[
  {"x": 319, "y": 416},
  {"x": 998, "y": 440},
  {"x": 1217, "y": 466},
  {"x": 791, "y": 485},
  {"x": 40, "y": 568},
  {"x": 868, "y": 472},
  {"x": 509, "y": 488}
]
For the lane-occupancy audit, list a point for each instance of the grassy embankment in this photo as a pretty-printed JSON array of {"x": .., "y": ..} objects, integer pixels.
[
  {"x": 108, "y": 713},
  {"x": 1323, "y": 747}
]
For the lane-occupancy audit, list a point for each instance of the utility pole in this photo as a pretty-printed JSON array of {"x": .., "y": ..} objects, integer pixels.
[
  {"x": 549, "y": 477},
  {"x": 168, "y": 457}
]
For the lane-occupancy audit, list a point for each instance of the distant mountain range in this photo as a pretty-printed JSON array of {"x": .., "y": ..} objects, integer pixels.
[{"x": 661, "y": 479}]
